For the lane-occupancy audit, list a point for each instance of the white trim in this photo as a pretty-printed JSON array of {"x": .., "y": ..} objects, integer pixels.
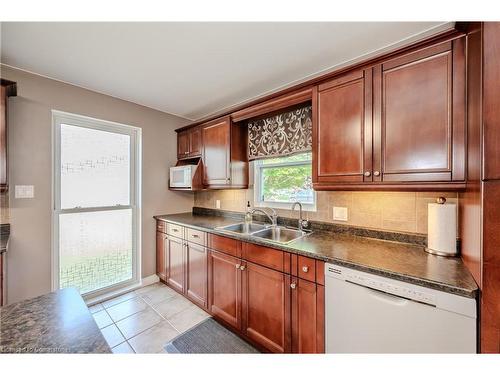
[
  {"x": 135, "y": 133},
  {"x": 149, "y": 280},
  {"x": 257, "y": 184}
]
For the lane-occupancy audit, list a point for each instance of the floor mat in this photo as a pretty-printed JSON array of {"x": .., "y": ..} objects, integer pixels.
[{"x": 209, "y": 337}]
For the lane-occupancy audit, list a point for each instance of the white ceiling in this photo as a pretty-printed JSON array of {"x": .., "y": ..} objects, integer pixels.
[{"x": 196, "y": 69}]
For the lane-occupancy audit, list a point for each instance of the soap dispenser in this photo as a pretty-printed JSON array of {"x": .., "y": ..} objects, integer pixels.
[{"x": 248, "y": 214}]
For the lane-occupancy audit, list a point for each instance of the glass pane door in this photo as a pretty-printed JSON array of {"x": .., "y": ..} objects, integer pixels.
[{"x": 95, "y": 204}]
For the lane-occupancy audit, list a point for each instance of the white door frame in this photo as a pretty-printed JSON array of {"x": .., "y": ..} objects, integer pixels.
[{"x": 135, "y": 133}]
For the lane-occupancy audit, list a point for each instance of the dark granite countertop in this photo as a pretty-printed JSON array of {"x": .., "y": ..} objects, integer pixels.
[
  {"x": 396, "y": 260},
  {"x": 58, "y": 322},
  {"x": 4, "y": 237}
]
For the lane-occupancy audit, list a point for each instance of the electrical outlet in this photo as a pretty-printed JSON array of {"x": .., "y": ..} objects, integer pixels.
[
  {"x": 340, "y": 213},
  {"x": 217, "y": 203},
  {"x": 24, "y": 191}
]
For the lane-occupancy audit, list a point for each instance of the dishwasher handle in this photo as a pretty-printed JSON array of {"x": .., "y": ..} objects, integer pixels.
[{"x": 383, "y": 296}]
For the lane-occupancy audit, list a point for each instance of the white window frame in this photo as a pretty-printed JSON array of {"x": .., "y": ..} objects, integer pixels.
[
  {"x": 135, "y": 133},
  {"x": 258, "y": 166}
]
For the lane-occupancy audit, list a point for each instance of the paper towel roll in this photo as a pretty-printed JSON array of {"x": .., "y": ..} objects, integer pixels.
[{"x": 442, "y": 229}]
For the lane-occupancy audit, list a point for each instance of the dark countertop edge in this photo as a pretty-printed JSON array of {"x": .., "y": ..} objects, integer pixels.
[{"x": 376, "y": 271}]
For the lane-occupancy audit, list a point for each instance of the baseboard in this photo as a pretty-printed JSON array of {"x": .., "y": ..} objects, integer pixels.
[{"x": 148, "y": 280}]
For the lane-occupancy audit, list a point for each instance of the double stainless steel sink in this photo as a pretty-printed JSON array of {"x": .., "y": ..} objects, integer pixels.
[{"x": 271, "y": 233}]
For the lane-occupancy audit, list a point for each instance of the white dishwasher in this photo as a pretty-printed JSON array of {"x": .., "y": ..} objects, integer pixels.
[{"x": 367, "y": 313}]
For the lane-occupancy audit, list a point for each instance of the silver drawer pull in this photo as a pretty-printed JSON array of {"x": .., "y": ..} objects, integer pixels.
[
  {"x": 175, "y": 230},
  {"x": 293, "y": 285},
  {"x": 238, "y": 266},
  {"x": 305, "y": 269},
  {"x": 242, "y": 268},
  {"x": 195, "y": 236}
]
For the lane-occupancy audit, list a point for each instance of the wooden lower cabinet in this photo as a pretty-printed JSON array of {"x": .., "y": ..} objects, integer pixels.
[
  {"x": 307, "y": 317},
  {"x": 196, "y": 273},
  {"x": 175, "y": 263},
  {"x": 266, "y": 307},
  {"x": 161, "y": 255},
  {"x": 224, "y": 285}
]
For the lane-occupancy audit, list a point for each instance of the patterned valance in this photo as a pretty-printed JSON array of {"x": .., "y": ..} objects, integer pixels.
[{"x": 280, "y": 135}]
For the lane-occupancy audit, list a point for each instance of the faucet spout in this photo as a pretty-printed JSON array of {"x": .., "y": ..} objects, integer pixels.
[
  {"x": 273, "y": 217},
  {"x": 302, "y": 223}
]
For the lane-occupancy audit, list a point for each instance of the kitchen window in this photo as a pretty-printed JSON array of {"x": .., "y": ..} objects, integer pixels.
[
  {"x": 278, "y": 182},
  {"x": 96, "y": 222}
]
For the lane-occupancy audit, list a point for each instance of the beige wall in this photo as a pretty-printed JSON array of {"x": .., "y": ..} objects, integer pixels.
[
  {"x": 392, "y": 211},
  {"x": 30, "y": 145}
]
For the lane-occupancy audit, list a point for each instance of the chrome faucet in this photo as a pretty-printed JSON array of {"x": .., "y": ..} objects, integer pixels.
[
  {"x": 273, "y": 216},
  {"x": 302, "y": 223}
]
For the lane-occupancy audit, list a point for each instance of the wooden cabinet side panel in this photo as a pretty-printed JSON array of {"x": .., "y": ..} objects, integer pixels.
[
  {"x": 3, "y": 138},
  {"x": 491, "y": 100},
  {"x": 161, "y": 269}
]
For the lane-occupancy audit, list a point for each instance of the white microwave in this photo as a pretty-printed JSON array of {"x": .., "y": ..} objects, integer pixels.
[{"x": 182, "y": 176}]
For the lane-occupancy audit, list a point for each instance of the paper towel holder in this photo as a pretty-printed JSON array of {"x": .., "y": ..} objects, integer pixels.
[{"x": 441, "y": 200}]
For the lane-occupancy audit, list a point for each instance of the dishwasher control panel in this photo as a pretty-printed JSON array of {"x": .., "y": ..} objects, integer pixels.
[{"x": 399, "y": 289}]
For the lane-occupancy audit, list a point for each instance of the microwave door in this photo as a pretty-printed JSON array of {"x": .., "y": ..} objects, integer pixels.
[{"x": 178, "y": 177}]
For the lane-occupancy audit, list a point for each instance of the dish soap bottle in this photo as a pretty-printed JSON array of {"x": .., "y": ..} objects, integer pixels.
[{"x": 248, "y": 214}]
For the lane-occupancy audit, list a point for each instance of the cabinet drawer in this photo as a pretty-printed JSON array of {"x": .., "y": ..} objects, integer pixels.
[
  {"x": 196, "y": 236},
  {"x": 225, "y": 245},
  {"x": 175, "y": 230},
  {"x": 306, "y": 268},
  {"x": 264, "y": 256},
  {"x": 161, "y": 226}
]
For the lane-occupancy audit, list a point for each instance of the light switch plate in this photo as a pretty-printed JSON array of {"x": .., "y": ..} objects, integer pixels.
[
  {"x": 217, "y": 203},
  {"x": 340, "y": 213},
  {"x": 24, "y": 191}
]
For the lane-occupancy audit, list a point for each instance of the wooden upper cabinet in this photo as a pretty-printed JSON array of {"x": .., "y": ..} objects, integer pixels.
[
  {"x": 195, "y": 142},
  {"x": 266, "y": 307},
  {"x": 7, "y": 88},
  {"x": 216, "y": 152},
  {"x": 342, "y": 129},
  {"x": 420, "y": 116},
  {"x": 189, "y": 143},
  {"x": 183, "y": 144}
]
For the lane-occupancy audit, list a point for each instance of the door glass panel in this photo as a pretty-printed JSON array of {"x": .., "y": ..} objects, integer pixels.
[
  {"x": 95, "y": 249},
  {"x": 95, "y": 168}
]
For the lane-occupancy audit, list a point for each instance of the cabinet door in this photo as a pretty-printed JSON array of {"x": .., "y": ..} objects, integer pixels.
[
  {"x": 342, "y": 129},
  {"x": 161, "y": 255},
  {"x": 195, "y": 142},
  {"x": 422, "y": 129},
  {"x": 175, "y": 263},
  {"x": 224, "y": 283},
  {"x": 216, "y": 152},
  {"x": 3, "y": 138},
  {"x": 196, "y": 273},
  {"x": 183, "y": 144},
  {"x": 307, "y": 317},
  {"x": 266, "y": 307}
]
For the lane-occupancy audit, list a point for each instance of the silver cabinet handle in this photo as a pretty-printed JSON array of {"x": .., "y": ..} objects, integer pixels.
[
  {"x": 242, "y": 268},
  {"x": 368, "y": 174},
  {"x": 175, "y": 230},
  {"x": 238, "y": 266},
  {"x": 293, "y": 285},
  {"x": 305, "y": 269},
  {"x": 195, "y": 236},
  {"x": 376, "y": 173}
]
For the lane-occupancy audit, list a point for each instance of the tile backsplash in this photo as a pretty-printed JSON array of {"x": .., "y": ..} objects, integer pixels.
[{"x": 391, "y": 211}]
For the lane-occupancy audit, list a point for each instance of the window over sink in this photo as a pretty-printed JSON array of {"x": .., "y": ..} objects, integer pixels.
[{"x": 278, "y": 182}]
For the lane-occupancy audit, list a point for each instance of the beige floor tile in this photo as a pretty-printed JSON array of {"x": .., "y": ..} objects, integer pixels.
[
  {"x": 158, "y": 295},
  {"x": 112, "y": 335},
  {"x": 188, "y": 318},
  {"x": 96, "y": 308},
  {"x": 172, "y": 306},
  {"x": 139, "y": 322},
  {"x": 154, "y": 339},
  {"x": 102, "y": 319},
  {"x": 150, "y": 288},
  {"x": 119, "y": 299},
  {"x": 123, "y": 348},
  {"x": 126, "y": 308}
]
